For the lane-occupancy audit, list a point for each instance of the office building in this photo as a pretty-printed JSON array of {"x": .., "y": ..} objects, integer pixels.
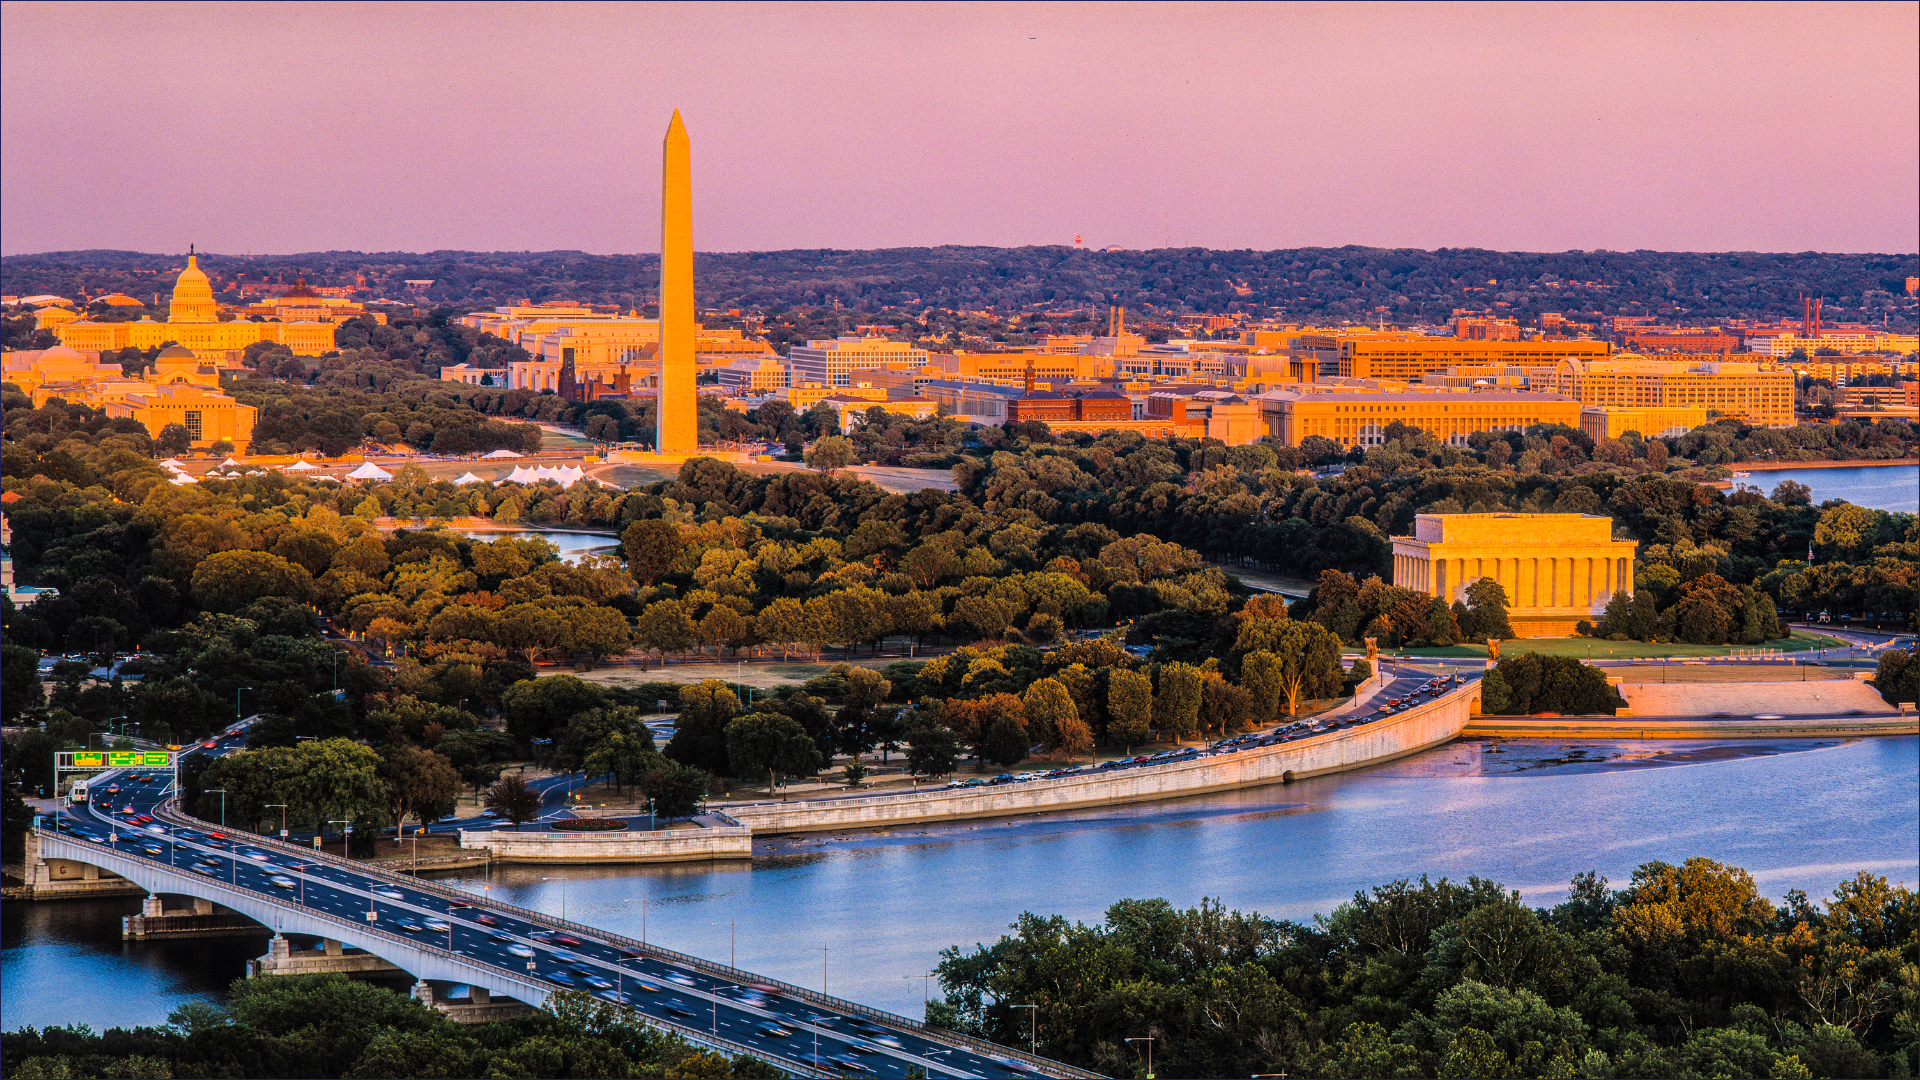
[
  {"x": 1610, "y": 422},
  {"x": 833, "y": 361},
  {"x": 193, "y": 322},
  {"x": 1406, "y": 357},
  {"x": 1359, "y": 415},
  {"x": 1757, "y": 393}
]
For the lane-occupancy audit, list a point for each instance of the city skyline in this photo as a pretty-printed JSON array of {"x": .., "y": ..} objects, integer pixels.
[{"x": 414, "y": 128}]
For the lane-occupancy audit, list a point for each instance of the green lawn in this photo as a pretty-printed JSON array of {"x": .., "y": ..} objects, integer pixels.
[{"x": 1618, "y": 650}]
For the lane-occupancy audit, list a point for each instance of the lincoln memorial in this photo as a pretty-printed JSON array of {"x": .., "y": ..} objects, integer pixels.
[{"x": 1557, "y": 568}]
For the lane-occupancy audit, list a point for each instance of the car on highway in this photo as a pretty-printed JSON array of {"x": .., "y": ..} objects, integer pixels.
[
  {"x": 281, "y": 881},
  {"x": 205, "y": 866},
  {"x": 772, "y": 1030},
  {"x": 597, "y": 982},
  {"x": 645, "y": 988},
  {"x": 487, "y": 918},
  {"x": 520, "y": 951},
  {"x": 256, "y": 855},
  {"x": 411, "y": 926},
  {"x": 388, "y": 892},
  {"x": 680, "y": 977},
  {"x": 438, "y": 926},
  {"x": 151, "y": 849},
  {"x": 677, "y": 1010}
]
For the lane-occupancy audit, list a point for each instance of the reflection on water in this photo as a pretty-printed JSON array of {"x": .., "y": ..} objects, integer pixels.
[
  {"x": 572, "y": 545},
  {"x": 883, "y": 903},
  {"x": 63, "y": 963},
  {"x": 1883, "y": 487}
]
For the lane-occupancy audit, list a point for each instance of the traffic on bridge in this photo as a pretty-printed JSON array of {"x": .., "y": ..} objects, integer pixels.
[{"x": 129, "y": 824}]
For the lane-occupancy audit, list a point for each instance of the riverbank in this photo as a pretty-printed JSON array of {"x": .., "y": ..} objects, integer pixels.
[{"x": 1773, "y": 466}]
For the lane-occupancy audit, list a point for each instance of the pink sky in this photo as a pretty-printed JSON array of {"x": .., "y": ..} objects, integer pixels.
[{"x": 285, "y": 128}]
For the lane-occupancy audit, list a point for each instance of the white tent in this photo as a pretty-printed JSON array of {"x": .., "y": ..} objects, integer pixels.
[
  {"x": 469, "y": 478},
  {"x": 369, "y": 471},
  {"x": 503, "y": 454},
  {"x": 231, "y": 464},
  {"x": 522, "y": 475},
  {"x": 183, "y": 478},
  {"x": 172, "y": 464},
  {"x": 301, "y": 466}
]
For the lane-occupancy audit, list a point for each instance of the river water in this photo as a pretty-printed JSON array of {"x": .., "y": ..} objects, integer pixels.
[
  {"x": 1883, "y": 487},
  {"x": 1797, "y": 814},
  {"x": 572, "y": 545}
]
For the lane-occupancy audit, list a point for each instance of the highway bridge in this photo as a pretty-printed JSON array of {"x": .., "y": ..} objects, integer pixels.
[{"x": 441, "y": 935}]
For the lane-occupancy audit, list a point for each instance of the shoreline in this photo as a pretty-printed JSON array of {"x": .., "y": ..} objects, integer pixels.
[{"x": 1778, "y": 466}]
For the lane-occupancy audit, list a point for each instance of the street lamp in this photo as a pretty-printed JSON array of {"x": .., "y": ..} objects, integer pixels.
[
  {"x": 926, "y": 985},
  {"x": 1033, "y": 1028},
  {"x": 645, "y": 902},
  {"x": 730, "y": 926},
  {"x": 1149, "y": 1043},
  {"x": 716, "y": 1005},
  {"x": 283, "y": 816},
  {"x": 344, "y": 846},
  {"x": 822, "y": 950},
  {"x": 236, "y": 703},
  {"x": 563, "y": 895}
]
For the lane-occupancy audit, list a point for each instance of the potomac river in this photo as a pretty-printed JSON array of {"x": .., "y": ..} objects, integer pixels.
[{"x": 1797, "y": 813}]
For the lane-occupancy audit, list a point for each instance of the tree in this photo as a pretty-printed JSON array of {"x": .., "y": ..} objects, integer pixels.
[
  {"x": 1224, "y": 705},
  {"x": 1130, "y": 704},
  {"x": 476, "y": 755},
  {"x": 418, "y": 782},
  {"x": 1309, "y": 665},
  {"x": 620, "y": 758},
  {"x": 932, "y": 749},
  {"x": 534, "y": 707},
  {"x": 173, "y": 440},
  {"x": 1176, "y": 707},
  {"x": 652, "y": 548},
  {"x": 230, "y": 580},
  {"x": 1487, "y": 600},
  {"x": 665, "y": 626},
  {"x": 1847, "y": 529},
  {"x": 1898, "y": 676},
  {"x": 1535, "y": 683},
  {"x": 1439, "y": 629},
  {"x": 1054, "y": 720},
  {"x": 831, "y": 453},
  {"x": 20, "y": 687},
  {"x": 699, "y": 735},
  {"x": 512, "y": 799},
  {"x": 773, "y": 744},
  {"x": 599, "y": 632},
  {"x": 676, "y": 790}
]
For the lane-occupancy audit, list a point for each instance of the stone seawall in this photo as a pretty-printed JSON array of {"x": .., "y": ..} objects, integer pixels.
[
  {"x": 675, "y": 845},
  {"x": 1602, "y": 727},
  {"x": 1410, "y": 732}
]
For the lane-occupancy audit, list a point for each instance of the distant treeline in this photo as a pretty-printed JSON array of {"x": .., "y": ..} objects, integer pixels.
[{"x": 1308, "y": 283}]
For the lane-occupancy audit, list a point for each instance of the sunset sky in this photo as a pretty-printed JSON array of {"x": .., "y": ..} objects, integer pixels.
[{"x": 286, "y": 128}]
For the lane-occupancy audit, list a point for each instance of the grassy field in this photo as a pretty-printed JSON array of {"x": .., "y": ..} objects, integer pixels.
[
  {"x": 1583, "y": 648},
  {"x": 763, "y": 676}
]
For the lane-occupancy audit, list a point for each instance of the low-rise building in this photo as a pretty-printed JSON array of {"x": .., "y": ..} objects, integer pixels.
[
  {"x": 1360, "y": 415},
  {"x": 474, "y": 376},
  {"x": 1610, "y": 422}
]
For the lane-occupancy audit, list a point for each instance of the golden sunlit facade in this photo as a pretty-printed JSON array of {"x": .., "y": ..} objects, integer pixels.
[
  {"x": 1404, "y": 357},
  {"x": 1360, "y": 417},
  {"x": 1757, "y": 393},
  {"x": 179, "y": 388},
  {"x": 1557, "y": 569},
  {"x": 193, "y": 322}
]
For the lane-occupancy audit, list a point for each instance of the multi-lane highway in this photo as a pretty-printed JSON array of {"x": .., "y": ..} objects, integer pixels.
[{"x": 792, "y": 1027}]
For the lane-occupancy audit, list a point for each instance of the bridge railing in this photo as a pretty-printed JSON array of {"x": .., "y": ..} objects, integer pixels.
[
  {"x": 525, "y": 989},
  {"x": 170, "y": 811}
]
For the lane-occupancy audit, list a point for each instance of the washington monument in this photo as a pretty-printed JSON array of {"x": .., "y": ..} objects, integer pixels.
[{"x": 677, "y": 417}]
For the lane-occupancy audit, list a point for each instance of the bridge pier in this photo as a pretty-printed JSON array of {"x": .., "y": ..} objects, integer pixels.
[
  {"x": 478, "y": 1007},
  {"x": 201, "y": 921},
  {"x": 55, "y": 879},
  {"x": 283, "y": 959}
]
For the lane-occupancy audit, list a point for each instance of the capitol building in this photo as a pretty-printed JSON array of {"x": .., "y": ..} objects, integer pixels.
[{"x": 193, "y": 323}]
